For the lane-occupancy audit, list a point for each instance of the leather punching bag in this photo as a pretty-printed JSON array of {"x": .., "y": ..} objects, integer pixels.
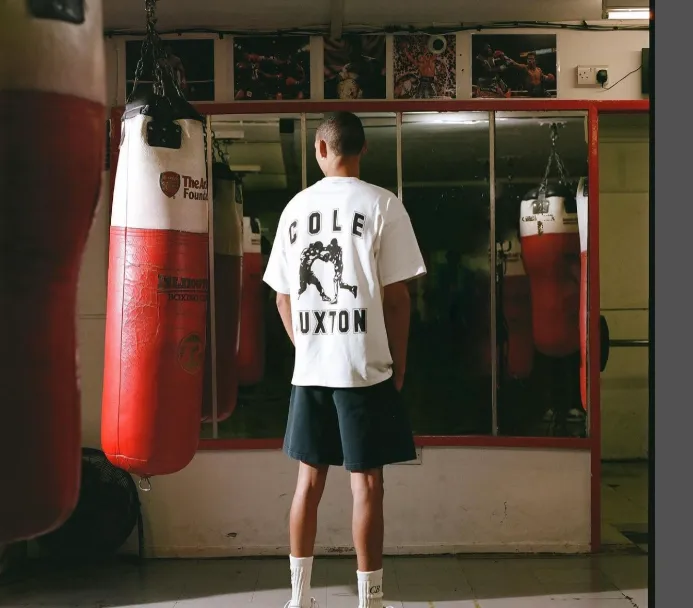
[
  {"x": 158, "y": 289},
  {"x": 517, "y": 311},
  {"x": 52, "y": 119},
  {"x": 582, "y": 199},
  {"x": 228, "y": 257},
  {"x": 251, "y": 350},
  {"x": 551, "y": 256}
]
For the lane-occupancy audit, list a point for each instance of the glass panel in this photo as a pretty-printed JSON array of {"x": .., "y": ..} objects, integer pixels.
[
  {"x": 445, "y": 174},
  {"x": 624, "y": 281},
  {"x": 379, "y": 164},
  {"x": 541, "y": 274},
  {"x": 264, "y": 155}
]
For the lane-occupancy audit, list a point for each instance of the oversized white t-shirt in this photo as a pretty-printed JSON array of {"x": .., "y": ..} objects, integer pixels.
[{"x": 338, "y": 243}]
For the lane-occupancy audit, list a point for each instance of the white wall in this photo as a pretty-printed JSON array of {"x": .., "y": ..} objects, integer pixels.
[{"x": 623, "y": 261}]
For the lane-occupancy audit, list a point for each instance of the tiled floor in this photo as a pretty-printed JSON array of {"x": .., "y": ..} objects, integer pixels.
[
  {"x": 610, "y": 581},
  {"x": 624, "y": 506},
  {"x": 617, "y": 579}
]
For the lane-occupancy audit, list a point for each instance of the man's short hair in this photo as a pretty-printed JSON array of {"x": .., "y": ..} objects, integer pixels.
[{"x": 343, "y": 133}]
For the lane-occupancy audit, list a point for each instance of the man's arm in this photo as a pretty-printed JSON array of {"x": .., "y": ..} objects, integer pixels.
[
  {"x": 397, "y": 313},
  {"x": 284, "y": 308}
]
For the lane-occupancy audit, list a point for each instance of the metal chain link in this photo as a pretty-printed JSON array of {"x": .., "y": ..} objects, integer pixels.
[
  {"x": 554, "y": 157},
  {"x": 153, "y": 49}
]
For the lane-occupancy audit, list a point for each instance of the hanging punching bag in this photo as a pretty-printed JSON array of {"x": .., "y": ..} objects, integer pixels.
[
  {"x": 581, "y": 199},
  {"x": 551, "y": 257},
  {"x": 52, "y": 118},
  {"x": 516, "y": 301},
  {"x": 157, "y": 290},
  {"x": 228, "y": 256},
  {"x": 251, "y": 350}
]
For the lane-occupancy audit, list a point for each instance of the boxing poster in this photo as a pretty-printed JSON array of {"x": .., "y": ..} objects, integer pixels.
[
  {"x": 514, "y": 65},
  {"x": 424, "y": 67},
  {"x": 271, "y": 68},
  {"x": 354, "y": 67},
  {"x": 192, "y": 62}
]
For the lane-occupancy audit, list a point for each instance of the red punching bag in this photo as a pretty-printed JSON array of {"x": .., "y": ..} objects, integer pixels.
[
  {"x": 516, "y": 303},
  {"x": 158, "y": 289},
  {"x": 52, "y": 118},
  {"x": 228, "y": 256},
  {"x": 251, "y": 350},
  {"x": 551, "y": 256},
  {"x": 581, "y": 199}
]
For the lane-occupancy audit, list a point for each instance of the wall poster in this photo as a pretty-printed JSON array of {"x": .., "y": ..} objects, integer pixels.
[
  {"x": 271, "y": 67},
  {"x": 354, "y": 67},
  {"x": 192, "y": 62},
  {"x": 514, "y": 65},
  {"x": 425, "y": 67}
]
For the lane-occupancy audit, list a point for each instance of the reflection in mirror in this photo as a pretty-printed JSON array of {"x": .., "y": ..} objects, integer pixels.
[
  {"x": 263, "y": 156},
  {"x": 379, "y": 164},
  {"x": 541, "y": 289},
  {"x": 445, "y": 171}
]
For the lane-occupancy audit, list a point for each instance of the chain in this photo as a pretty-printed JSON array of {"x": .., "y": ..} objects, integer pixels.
[
  {"x": 153, "y": 49},
  {"x": 554, "y": 157},
  {"x": 218, "y": 151}
]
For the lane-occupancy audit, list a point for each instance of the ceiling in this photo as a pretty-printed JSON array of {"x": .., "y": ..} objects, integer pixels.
[{"x": 284, "y": 14}]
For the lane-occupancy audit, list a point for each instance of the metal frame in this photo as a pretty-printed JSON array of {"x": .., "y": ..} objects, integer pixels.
[{"x": 593, "y": 109}]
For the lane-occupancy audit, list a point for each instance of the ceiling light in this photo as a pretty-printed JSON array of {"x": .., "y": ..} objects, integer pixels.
[{"x": 629, "y": 13}]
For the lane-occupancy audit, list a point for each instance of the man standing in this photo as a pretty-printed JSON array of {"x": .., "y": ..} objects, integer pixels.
[{"x": 350, "y": 353}]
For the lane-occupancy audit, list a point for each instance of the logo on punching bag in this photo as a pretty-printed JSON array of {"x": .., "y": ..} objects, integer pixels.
[
  {"x": 170, "y": 183},
  {"x": 190, "y": 353}
]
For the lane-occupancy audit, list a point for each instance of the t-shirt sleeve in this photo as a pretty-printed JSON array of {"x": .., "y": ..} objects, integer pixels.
[
  {"x": 276, "y": 275},
  {"x": 399, "y": 256}
]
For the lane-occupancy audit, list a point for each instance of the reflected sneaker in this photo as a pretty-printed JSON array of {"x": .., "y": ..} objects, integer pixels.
[{"x": 313, "y": 604}]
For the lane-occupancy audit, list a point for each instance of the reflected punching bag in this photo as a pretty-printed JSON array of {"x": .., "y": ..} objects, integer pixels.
[
  {"x": 228, "y": 256},
  {"x": 52, "y": 118},
  {"x": 251, "y": 351},
  {"x": 551, "y": 257},
  {"x": 516, "y": 301},
  {"x": 158, "y": 289},
  {"x": 582, "y": 199}
]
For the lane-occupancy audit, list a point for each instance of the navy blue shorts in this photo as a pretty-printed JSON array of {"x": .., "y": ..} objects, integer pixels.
[{"x": 361, "y": 428}]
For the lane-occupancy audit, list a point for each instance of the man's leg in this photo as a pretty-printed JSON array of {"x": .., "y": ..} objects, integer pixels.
[
  {"x": 303, "y": 526},
  {"x": 312, "y": 437},
  {"x": 375, "y": 432}
]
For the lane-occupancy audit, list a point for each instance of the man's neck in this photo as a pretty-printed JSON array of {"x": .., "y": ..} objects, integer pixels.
[{"x": 344, "y": 168}]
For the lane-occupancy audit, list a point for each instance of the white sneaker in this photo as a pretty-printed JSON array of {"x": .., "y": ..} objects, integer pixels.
[{"x": 313, "y": 603}]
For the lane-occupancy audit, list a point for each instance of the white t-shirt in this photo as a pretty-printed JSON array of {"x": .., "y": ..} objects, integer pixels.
[{"x": 338, "y": 243}]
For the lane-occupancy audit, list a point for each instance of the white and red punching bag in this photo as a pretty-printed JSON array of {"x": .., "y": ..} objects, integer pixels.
[
  {"x": 516, "y": 304},
  {"x": 228, "y": 257},
  {"x": 551, "y": 256},
  {"x": 582, "y": 200},
  {"x": 158, "y": 289},
  {"x": 251, "y": 350},
  {"x": 52, "y": 118}
]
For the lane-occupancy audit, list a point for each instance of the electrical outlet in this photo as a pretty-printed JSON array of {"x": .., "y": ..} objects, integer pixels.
[{"x": 587, "y": 75}]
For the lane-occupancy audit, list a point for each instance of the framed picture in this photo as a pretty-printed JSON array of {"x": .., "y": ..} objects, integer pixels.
[
  {"x": 354, "y": 67},
  {"x": 270, "y": 68},
  {"x": 192, "y": 62},
  {"x": 424, "y": 67},
  {"x": 514, "y": 65}
]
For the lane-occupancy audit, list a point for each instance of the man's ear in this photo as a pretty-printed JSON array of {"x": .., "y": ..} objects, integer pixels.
[
  {"x": 364, "y": 149},
  {"x": 322, "y": 147}
]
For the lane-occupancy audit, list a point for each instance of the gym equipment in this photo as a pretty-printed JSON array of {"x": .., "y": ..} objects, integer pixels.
[
  {"x": 52, "y": 116},
  {"x": 551, "y": 257},
  {"x": 158, "y": 282},
  {"x": 251, "y": 350},
  {"x": 228, "y": 260},
  {"x": 107, "y": 512}
]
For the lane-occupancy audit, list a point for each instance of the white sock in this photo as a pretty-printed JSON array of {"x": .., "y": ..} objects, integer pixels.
[
  {"x": 301, "y": 569},
  {"x": 370, "y": 589}
]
